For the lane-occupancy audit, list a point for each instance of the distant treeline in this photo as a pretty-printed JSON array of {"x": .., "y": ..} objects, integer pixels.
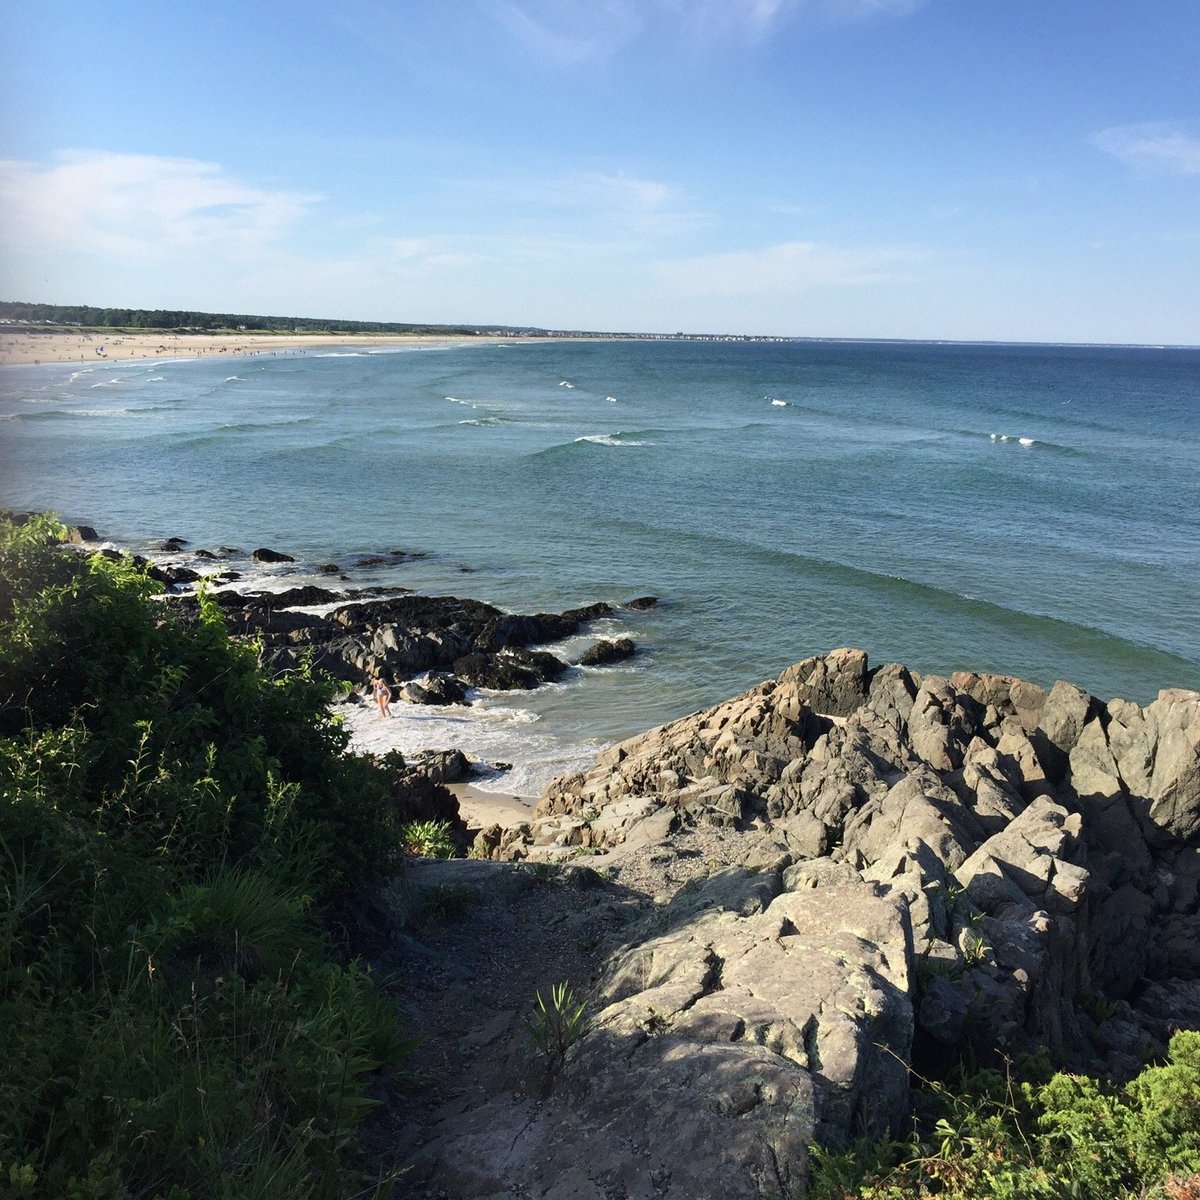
[{"x": 161, "y": 318}]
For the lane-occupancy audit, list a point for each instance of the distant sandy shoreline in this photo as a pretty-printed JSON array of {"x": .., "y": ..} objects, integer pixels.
[{"x": 20, "y": 347}]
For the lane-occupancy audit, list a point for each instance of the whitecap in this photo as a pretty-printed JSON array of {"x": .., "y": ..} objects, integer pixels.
[
  {"x": 1027, "y": 441},
  {"x": 608, "y": 439},
  {"x": 779, "y": 403},
  {"x": 231, "y": 378},
  {"x": 611, "y": 399},
  {"x": 564, "y": 383}
]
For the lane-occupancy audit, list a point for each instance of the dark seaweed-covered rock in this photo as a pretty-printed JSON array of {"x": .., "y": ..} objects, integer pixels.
[
  {"x": 265, "y": 555},
  {"x": 433, "y": 688},
  {"x": 501, "y": 672},
  {"x": 605, "y": 652},
  {"x": 442, "y": 766},
  {"x": 590, "y": 612},
  {"x": 169, "y": 575}
]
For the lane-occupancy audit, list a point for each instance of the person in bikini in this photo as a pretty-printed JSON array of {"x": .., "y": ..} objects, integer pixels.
[{"x": 383, "y": 695}]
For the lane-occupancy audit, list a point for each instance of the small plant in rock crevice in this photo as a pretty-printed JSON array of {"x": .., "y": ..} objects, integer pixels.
[
  {"x": 556, "y": 1024},
  {"x": 427, "y": 839}
]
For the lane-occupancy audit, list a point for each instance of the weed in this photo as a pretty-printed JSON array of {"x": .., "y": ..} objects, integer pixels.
[
  {"x": 975, "y": 949},
  {"x": 427, "y": 839},
  {"x": 556, "y": 1025},
  {"x": 541, "y": 872}
]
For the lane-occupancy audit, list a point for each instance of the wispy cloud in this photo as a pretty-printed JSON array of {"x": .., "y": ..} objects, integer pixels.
[
  {"x": 612, "y": 203},
  {"x": 788, "y": 268},
  {"x": 140, "y": 205},
  {"x": 571, "y": 32},
  {"x": 567, "y": 34},
  {"x": 1156, "y": 146}
]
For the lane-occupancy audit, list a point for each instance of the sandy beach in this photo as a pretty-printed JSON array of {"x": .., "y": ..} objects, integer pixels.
[
  {"x": 69, "y": 346},
  {"x": 480, "y": 809}
]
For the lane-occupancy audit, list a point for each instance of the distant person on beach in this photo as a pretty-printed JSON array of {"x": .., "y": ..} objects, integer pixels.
[{"x": 383, "y": 694}]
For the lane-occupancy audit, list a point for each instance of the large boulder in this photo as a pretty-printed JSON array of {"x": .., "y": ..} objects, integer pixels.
[{"x": 1147, "y": 761}]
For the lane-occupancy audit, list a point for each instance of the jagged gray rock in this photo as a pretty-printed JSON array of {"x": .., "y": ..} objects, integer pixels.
[
  {"x": 880, "y": 865},
  {"x": 1047, "y": 846}
]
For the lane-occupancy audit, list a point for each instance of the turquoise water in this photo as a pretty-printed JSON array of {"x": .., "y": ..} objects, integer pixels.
[{"x": 782, "y": 499}]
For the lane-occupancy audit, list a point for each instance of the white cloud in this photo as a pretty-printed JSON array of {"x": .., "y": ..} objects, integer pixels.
[
  {"x": 140, "y": 205},
  {"x": 1155, "y": 146},
  {"x": 788, "y": 268}
]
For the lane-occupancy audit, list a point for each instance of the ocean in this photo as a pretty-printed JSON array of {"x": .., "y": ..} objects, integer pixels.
[{"x": 1033, "y": 510}]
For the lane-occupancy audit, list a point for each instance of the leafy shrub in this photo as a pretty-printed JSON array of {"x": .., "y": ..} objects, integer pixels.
[
  {"x": 1064, "y": 1136},
  {"x": 427, "y": 839},
  {"x": 176, "y": 1023}
]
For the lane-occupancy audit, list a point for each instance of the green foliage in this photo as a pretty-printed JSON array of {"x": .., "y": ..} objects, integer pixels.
[
  {"x": 173, "y": 821},
  {"x": 1050, "y": 1136},
  {"x": 175, "y": 319},
  {"x": 556, "y": 1025},
  {"x": 427, "y": 839}
]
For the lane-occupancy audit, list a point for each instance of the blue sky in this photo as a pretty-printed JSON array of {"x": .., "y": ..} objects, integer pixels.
[{"x": 846, "y": 168}]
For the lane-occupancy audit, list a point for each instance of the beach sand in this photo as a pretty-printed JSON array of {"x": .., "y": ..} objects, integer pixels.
[
  {"x": 481, "y": 809},
  {"x": 23, "y": 346}
]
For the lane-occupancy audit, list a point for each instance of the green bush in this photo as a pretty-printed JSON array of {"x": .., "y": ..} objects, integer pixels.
[
  {"x": 427, "y": 839},
  {"x": 174, "y": 822},
  {"x": 1068, "y": 1137}
]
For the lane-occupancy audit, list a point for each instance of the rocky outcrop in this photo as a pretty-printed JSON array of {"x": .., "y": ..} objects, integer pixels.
[
  {"x": 741, "y": 1023},
  {"x": 755, "y": 1022},
  {"x": 1046, "y": 846},
  {"x": 844, "y": 871},
  {"x": 432, "y": 647}
]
